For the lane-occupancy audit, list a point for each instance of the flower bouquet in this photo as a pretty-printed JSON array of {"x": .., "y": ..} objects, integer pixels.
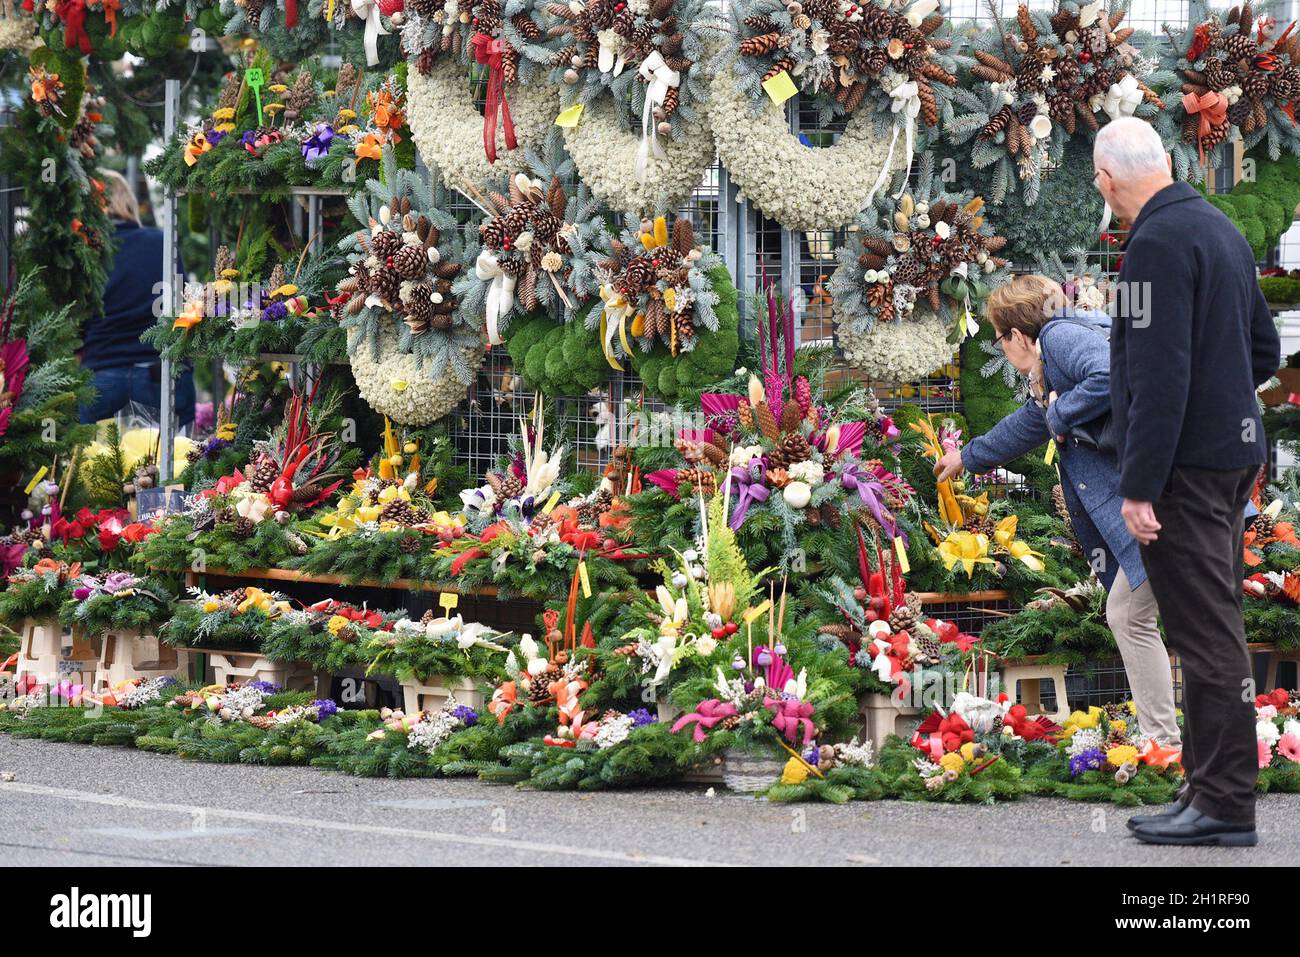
[
  {"x": 1277, "y": 733},
  {"x": 330, "y": 635},
  {"x": 37, "y": 592},
  {"x": 238, "y": 619},
  {"x": 439, "y": 658},
  {"x": 385, "y": 525},
  {"x": 118, "y": 602}
]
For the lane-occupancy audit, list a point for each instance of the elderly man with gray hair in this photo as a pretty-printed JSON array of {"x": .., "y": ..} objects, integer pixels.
[{"x": 1191, "y": 340}]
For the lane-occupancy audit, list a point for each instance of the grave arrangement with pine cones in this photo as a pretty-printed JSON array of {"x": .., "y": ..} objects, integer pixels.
[
  {"x": 433, "y": 30},
  {"x": 1044, "y": 77},
  {"x": 852, "y": 56},
  {"x": 1239, "y": 78},
  {"x": 656, "y": 287},
  {"x": 928, "y": 252}
]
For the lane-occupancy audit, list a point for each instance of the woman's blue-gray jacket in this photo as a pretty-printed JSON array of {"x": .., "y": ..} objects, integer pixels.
[{"x": 1076, "y": 363}]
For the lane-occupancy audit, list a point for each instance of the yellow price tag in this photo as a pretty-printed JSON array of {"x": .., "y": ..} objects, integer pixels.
[
  {"x": 569, "y": 118},
  {"x": 551, "y": 503},
  {"x": 901, "y": 551},
  {"x": 1050, "y": 455},
  {"x": 752, "y": 614},
  {"x": 40, "y": 474},
  {"x": 582, "y": 577},
  {"x": 448, "y": 600},
  {"x": 780, "y": 88}
]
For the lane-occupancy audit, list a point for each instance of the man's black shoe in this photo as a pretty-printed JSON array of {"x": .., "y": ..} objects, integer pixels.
[
  {"x": 1190, "y": 826},
  {"x": 1141, "y": 820}
]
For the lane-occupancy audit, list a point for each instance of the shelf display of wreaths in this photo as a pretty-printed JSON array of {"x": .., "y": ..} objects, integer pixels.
[
  {"x": 908, "y": 288},
  {"x": 1044, "y": 78},
  {"x": 884, "y": 66},
  {"x": 633, "y": 97},
  {"x": 1240, "y": 79}
]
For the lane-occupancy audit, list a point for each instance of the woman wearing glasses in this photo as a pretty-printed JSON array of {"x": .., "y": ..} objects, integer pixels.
[{"x": 1064, "y": 352}]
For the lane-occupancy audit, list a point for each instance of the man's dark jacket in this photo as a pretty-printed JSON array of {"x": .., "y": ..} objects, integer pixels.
[{"x": 1191, "y": 341}]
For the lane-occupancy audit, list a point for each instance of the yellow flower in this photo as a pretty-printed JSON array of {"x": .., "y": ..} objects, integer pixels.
[
  {"x": 965, "y": 547},
  {"x": 952, "y": 761},
  {"x": 210, "y": 606},
  {"x": 225, "y": 113},
  {"x": 968, "y": 751},
  {"x": 288, "y": 289},
  {"x": 1078, "y": 720},
  {"x": 1119, "y": 724},
  {"x": 1122, "y": 754},
  {"x": 336, "y": 624}
]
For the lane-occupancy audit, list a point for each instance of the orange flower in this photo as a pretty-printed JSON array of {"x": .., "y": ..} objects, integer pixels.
[{"x": 370, "y": 148}]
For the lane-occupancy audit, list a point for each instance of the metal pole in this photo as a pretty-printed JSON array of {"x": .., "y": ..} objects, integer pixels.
[{"x": 171, "y": 292}]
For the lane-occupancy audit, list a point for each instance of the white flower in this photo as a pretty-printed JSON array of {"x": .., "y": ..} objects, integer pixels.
[
  {"x": 807, "y": 471},
  {"x": 1267, "y": 731},
  {"x": 942, "y": 229},
  {"x": 706, "y": 645}
]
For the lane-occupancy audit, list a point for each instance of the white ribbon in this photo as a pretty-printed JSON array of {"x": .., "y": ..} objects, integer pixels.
[
  {"x": 607, "y": 61},
  {"x": 907, "y": 101},
  {"x": 368, "y": 10},
  {"x": 500, "y": 295},
  {"x": 1123, "y": 98},
  {"x": 655, "y": 71},
  {"x": 917, "y": 13}
]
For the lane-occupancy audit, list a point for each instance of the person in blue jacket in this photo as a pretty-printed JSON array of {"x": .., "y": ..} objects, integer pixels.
[
  {"x": 1065, "y": 354},
  {"x": 125, "y": 369}
]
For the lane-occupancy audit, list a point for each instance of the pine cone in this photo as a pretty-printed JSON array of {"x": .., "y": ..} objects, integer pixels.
[
  {"x": 1263, "y": 526},
  {"x": 409, "y": 262},
  {"x": 701, "y": 479},
  {"x": 244, "y": 527},
  {"x": 264, "y": 473},
  {"x": 539, "y": 685},
  {"x": 410, "y": 544},
  {"x": 1240, "y": 46},
  {"x": 902, "y": 618},
  {"x": 385, "y": 243},
  {"x": 794, "y": 447},
  {"x": 745, "y": 415},
  {"x": 511, "y": 487}
]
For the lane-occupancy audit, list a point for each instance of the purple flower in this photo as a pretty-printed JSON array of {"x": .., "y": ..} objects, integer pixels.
[
  {"x": 119, "y": 582},
  {"x": 1089, "y": 760},
  {"x": 81, "y": 594},
  {"x": 214, "y": 136},
  {"x": 274, "y": 312},
  {"x": 325, "y": 708},
  {"x": 266, "y": 687},
  {"x": 641, "y": 717},
  {"x": 467, "y": 715}
]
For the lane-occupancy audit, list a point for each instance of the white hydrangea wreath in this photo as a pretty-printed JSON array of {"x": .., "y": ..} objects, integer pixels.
[
  {"x": 901, "y": 351},
  {"x": 17, "y": 28},
  {"x": 395, "y": 385},
  {"x": 605, "y": 155},
  {"x": 802, "y": 188},
  {"x": 448, "y": 130}
]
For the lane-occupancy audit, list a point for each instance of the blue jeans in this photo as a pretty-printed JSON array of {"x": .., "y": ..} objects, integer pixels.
[{"x": 140, "y": 384}]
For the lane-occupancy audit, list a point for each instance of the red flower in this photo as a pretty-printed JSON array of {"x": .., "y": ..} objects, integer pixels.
[
  {"x": 137, "y": 532},
  {"x": 108, "y": 540}
]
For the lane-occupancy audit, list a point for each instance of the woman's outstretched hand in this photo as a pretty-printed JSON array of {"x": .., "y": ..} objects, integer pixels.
[{"x": 949, "y": 466}]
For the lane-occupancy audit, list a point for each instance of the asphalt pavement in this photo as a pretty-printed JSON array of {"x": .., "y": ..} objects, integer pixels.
[{"x": 86, "y": 805}]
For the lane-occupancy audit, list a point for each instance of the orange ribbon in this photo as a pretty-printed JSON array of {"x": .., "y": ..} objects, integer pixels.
[{"x": 1213, "y": 110}]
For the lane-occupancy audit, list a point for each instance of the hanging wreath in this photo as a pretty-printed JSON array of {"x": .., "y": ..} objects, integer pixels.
[
  {"x": 283, "y": 27},
  {"x": 1240, "y": 78},
  {"x": 1052, "y": 75},
  {"x": 501, "y": 37},
  {"x": 882, "y": 64},
  {"x": 532, "y": 245},
  {"x": 395, "y": 384},
  {"x": 921, "y": 264},
  {"x": 649, "y": 145},
  {"x": 401, "y": 265},
  {"x": 448, "y": 130}
]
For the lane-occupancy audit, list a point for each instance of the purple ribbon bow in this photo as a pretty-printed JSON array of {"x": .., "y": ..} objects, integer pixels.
[
  {"x": 317, "y": 146},
  {"x": 854, "y": 478},
  {"x": 751, "y": 486}
]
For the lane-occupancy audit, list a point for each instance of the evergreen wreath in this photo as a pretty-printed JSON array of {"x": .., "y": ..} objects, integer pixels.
[
  {"x": 1052, "y": 75},
  {"x": 922, "y": 261},
  {"x": 1240, "y": 79},
  {"x": 17, "y": 27},
  {"x": 882, "y": 64},
  {"x": 648, "y": 144},
  {"x": 401, "y": 265}
]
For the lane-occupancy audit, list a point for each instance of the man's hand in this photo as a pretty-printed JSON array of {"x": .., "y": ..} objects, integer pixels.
[
  {"x": 949, "y": 466},
  {"x": 1140, "y": 518}
]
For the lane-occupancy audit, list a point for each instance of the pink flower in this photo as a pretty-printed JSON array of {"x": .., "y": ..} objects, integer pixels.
[
  {"x": 1267, "y": 711},
  {"x": 1289, "y": 747},
  {"x": 1265, "y": 752}
]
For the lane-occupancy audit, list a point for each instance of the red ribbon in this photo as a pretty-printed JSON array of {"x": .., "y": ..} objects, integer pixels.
[
  {"x": 488, "y": 52},
  {"x": 290, "y": 13},
  {"x": 73, "y": 15}
]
